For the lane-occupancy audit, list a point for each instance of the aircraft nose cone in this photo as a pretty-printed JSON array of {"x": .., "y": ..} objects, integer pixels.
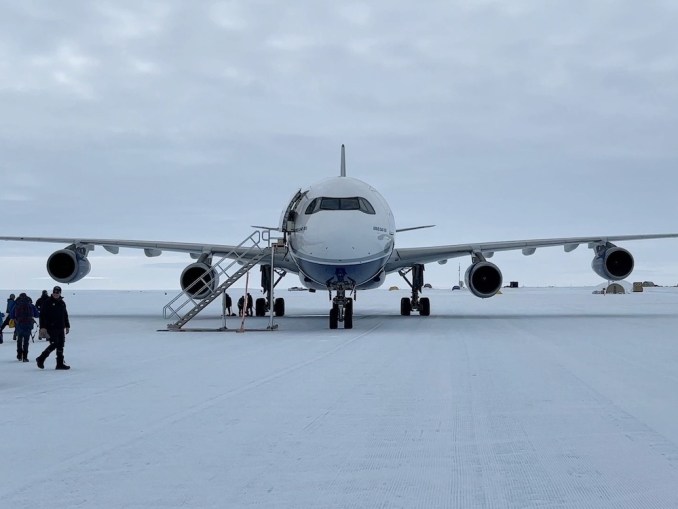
[{"x": 349, "y": 243}]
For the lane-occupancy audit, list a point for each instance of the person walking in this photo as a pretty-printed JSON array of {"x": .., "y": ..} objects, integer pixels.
[
  {"x": 250, "y": 305},
  {"x": 8, "y": 310},
  {"x": 24, "y": 314},
  {"x": 54, "y": 325},
  {"x": 228, "y": 303},
  {"x": 41, "y": 299},
  {"x": 10, "y": 303}
]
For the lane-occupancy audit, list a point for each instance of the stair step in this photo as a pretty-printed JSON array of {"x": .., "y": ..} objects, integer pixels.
[{"x": 219, "y": 290}]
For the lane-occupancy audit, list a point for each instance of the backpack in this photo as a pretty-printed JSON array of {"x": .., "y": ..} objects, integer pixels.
[{"x": 23, "y": 312}]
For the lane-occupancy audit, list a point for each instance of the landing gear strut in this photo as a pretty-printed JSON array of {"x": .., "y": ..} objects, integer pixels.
[
  {"x": 423, "y": 305},
  {"x": 263, "y": 305},
  {"x": 342, "y": 309}
]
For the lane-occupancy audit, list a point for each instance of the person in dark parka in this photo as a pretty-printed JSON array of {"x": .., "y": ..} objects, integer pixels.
[
  {"x": 228, "y": 303},
  {"x": 250, "y": 305},
  {"x": 55, "y": 325},
  {"x": 41, "y": 299}
]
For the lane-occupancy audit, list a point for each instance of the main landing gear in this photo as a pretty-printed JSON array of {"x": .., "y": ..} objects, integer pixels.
[
  {"x": 423, "y": 305},
  {"x": 342, "y": 309},
  {"x": 263, "y": 305}
]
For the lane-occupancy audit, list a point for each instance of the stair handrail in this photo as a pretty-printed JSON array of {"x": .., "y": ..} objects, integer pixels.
[
  {"x": 206, "y": 301},
  {"x": 234, "y": 256}
]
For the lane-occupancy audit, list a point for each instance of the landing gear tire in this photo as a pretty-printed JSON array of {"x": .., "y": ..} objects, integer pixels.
[
  {"x": 279, "y": 307},
  {"x": 334, "y": 317},
  {"x": 405, "y": 306},
  {"x": 424, "y": 306},
  {"x": 348, "y": 314},
  {"x": 260, "y": 307}
]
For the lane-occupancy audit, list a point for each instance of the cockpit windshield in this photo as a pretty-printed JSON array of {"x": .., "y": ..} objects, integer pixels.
[{"x": 327, "y": 203}]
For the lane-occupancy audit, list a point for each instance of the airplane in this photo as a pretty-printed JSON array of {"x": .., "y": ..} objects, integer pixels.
[{"x": 339, "y": 236}]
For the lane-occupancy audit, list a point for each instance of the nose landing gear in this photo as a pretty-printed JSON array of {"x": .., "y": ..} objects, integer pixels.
[{"x": 342, "y": 310}]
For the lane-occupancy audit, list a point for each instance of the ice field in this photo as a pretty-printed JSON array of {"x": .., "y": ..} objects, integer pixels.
[{"x": 551, "y": 397}]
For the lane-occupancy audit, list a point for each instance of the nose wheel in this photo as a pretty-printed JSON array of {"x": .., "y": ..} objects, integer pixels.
[{"x": 341, "y": 311}]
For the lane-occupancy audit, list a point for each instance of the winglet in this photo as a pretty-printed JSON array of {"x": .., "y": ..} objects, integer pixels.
[{"x": 343, "y": 161}]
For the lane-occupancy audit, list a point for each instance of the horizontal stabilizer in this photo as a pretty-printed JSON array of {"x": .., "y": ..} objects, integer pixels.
[
  {"x": 273, "y": 228},
  {"x": 414, "y": 228}
]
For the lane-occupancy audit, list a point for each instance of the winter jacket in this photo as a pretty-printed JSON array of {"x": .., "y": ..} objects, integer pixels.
[
  {"x": 54, "y": 315},
  {"x": 10, "y": 306},
  {"x": 41, "y": 299},
  {"x": 24, "y": 325}
]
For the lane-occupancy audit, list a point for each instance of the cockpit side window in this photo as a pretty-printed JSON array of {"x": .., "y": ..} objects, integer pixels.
[
  {"x": 327, "y": 203},
  {"x": 366, "y": 206},
  {"x": 313, "y": 206}
]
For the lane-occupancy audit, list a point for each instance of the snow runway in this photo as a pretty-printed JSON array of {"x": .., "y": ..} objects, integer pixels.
[{"x": 534, "y": 398}]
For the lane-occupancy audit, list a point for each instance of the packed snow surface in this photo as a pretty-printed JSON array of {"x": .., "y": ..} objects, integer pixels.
[{"x": 533, "y": 398}]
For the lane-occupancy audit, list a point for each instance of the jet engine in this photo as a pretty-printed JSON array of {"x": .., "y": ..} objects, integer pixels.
[
  {"x": 612, "y": 263},
  {"x": 483, "y": 279},
  {"x": 199, "y": 279},
  {"x": 68, "y": 265}
]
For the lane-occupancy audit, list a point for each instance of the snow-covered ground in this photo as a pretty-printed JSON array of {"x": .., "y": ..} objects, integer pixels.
[{"x": 534, "y": 398}]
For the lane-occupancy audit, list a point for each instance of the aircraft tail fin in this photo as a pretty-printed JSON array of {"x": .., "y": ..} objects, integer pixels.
[{"x": 343, "y": 161}]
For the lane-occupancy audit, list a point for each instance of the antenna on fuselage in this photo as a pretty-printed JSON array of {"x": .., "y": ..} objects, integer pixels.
[{"x": 343, "y": 161}]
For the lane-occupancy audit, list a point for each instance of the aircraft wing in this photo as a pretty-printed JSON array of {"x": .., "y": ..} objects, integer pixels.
[
  {"x": 406, "y": 257},
  {"x": 155, "y": 248}
]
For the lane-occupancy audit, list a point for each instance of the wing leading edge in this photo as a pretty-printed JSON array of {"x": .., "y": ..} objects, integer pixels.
[
  {"x": 153, "y": 248},
  {"x": 406, "y": 257}
]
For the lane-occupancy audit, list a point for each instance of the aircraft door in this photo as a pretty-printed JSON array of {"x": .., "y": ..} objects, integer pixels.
[{"x": 289, "y": 216}]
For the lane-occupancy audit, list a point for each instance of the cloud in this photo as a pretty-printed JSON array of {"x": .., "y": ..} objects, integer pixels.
[
  {"x": 145, "y": 19},
  {"x": 174, "y": 121}
]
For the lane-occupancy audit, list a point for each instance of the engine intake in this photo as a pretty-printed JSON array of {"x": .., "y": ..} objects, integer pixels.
[
  {"x": 67, "y": 266},
  {"x": 199, "y": 280},
  {"x": 483, "y": 279},
  {"x": 612, "y": 263}
]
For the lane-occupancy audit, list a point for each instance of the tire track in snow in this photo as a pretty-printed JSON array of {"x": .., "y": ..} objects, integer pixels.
[{"x": 57, "y": 470}]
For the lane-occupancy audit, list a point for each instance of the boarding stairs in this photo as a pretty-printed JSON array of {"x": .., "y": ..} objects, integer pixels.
[{"x": 230, "y": 267}]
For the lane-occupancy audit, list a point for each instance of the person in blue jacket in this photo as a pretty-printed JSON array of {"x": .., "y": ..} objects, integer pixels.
[
  {"x": 10, "y": 303},
  {"x": 10, "y": 307},
  {"x": 24, "y": 314}
]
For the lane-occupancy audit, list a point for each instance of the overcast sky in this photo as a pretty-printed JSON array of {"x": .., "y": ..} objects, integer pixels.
[{"x": 191, "y": 121}]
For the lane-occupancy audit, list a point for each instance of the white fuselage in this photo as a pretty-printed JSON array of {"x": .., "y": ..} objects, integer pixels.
[{"x": 340, "y": 235}]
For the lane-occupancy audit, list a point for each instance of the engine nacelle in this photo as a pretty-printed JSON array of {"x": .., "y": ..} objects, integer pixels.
[
  {"x": 612, "y": 263},
  {"x": 68, "y": 266},
  {"x": 483, "y": 279},
  {"x": 199, "y": 280}
]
